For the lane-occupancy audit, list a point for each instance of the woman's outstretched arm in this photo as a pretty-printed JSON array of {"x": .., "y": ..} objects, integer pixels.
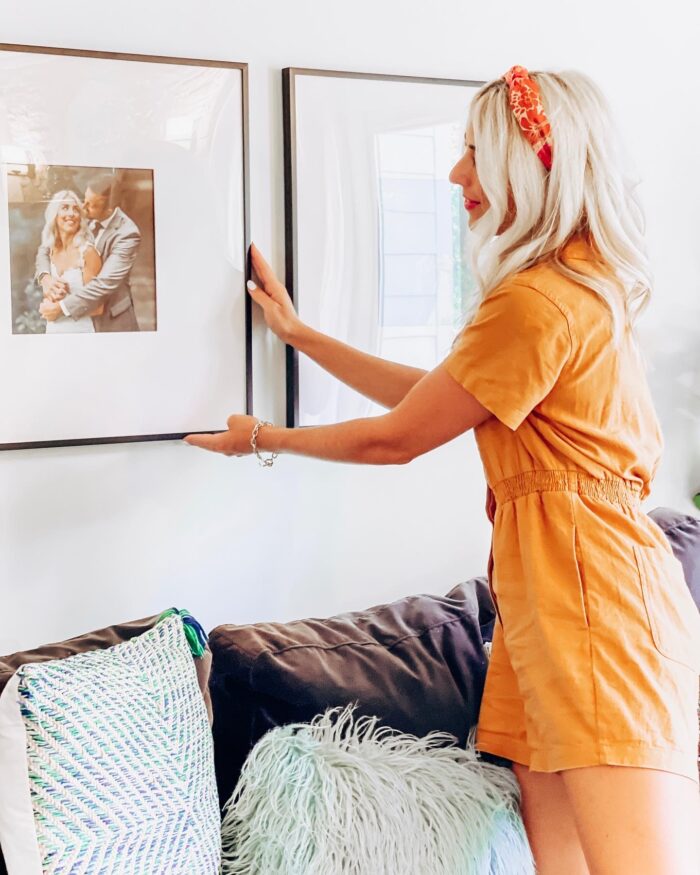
[
  {"x": 435, "y": 411},
  {"x": 382, "y": 381}
]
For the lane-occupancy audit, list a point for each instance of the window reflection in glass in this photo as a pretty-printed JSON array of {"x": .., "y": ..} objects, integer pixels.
[{"x": 425, "y": 282}]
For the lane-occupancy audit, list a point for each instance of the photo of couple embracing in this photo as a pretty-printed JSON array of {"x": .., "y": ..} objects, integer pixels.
[{"x": 88, "y": 271}]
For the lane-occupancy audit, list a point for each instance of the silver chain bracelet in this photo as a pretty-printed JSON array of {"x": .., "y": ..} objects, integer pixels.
[{"x": 264, "y": 463}]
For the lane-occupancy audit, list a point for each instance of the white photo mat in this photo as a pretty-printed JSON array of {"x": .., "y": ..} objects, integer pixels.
[
  {"x": 375, "y": 231},
  {"x": 187, "y": 122}
]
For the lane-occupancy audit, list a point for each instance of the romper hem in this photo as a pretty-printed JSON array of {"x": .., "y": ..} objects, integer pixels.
[{"x": 562, "y": 757}]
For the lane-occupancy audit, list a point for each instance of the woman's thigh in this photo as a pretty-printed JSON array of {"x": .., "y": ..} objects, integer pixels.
[
  {"x": 635, "y": 820},
  {"x": 549, "y": 822}
]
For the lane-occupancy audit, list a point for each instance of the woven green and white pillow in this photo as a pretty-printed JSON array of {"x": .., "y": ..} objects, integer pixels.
[{"x": 107, "y": 763}]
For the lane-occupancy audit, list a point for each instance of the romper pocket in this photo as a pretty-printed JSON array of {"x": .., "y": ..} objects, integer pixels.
[
  {"x": 673, "y": 617},
  {"x": 585, "y": 608}
]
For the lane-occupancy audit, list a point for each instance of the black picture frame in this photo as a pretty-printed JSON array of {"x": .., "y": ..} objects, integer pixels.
[
  {"x": 242, "y": 68},
  {"x": 290, "y": 77}
]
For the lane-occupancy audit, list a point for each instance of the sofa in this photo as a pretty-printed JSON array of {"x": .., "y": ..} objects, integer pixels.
[{"x": 418, "y": 663}]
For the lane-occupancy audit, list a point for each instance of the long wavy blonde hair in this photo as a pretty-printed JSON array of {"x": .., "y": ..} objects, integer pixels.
[
  {"x": 50, "y": 236},
  {"x": 587, "y": 192}
]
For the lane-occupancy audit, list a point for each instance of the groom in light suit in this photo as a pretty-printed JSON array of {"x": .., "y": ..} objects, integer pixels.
[{"x": 117, "y": 240}]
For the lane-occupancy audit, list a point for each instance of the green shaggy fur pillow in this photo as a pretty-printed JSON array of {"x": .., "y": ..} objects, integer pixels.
[{"x": 342, "y": 795}]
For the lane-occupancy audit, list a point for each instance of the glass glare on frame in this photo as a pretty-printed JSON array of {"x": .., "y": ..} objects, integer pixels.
[
  {"x": 376, "y": 231},
  {"x": 424, "y": 276}
]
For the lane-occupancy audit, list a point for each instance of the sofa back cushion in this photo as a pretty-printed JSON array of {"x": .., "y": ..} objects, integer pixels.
[
  {"x": 683, "y": 533},
  {"x": 418, "y": 664}
]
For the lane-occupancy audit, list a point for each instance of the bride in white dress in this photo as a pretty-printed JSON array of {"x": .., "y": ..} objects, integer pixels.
[{"x": 74, "y": 259}]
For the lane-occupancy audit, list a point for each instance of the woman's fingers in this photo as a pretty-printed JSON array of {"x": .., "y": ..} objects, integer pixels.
[
  {"x": 215, "y": 443},
  {"x": 265, "y": 273},
  {"x": 274, "y": 299},
  {"x": 261, "y": 296},
  {"x": 270, "y": 307},
  {"x": 268, "y": 281},
  {"x": 204, "y": 441}
]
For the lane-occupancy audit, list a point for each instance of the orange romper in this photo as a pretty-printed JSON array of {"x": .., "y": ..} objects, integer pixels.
[{"x": 596, "y": 653}]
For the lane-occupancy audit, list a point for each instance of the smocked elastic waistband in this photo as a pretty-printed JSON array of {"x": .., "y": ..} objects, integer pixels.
[{"x": 608, "y": 488}]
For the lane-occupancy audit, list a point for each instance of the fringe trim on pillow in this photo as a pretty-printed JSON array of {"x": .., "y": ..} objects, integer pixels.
[{"x": 196, "y": 636}]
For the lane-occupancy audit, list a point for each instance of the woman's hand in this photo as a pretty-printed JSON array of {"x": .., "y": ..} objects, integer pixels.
[
  {"x": 274, "y": 299},
  {"x": 50, "y": 311},
  {"x": 234, "y": 442},
  {"x": 54, "y": 289}
]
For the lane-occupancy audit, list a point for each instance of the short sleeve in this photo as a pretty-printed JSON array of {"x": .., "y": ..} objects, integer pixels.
[{"x": 511, "y": 355}]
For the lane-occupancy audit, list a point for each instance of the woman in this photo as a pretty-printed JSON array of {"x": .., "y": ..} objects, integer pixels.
[
  {"x": 592, "y": 685},
  {"x": 74, "y": 259}
]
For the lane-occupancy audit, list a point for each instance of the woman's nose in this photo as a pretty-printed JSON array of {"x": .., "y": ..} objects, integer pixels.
[{"x": 457, "y": 174}]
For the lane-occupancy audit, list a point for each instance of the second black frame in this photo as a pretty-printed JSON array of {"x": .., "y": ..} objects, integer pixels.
[{"x": 290, "y": 76}]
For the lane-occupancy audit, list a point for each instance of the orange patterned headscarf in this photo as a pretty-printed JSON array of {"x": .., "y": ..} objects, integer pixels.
[{"x": 526, "y": 103}]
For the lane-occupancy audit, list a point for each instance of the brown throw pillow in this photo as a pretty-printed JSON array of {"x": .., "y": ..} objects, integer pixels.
[{"x": 418, "y": 664}]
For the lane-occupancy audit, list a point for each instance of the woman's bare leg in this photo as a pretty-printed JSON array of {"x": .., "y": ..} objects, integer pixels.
[
  {"x": 550, "y": 825},
  {"x": 634, "y": 820}
]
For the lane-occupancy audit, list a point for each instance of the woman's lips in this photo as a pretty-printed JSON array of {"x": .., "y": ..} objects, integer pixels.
[{"x": 471, "y": 205}]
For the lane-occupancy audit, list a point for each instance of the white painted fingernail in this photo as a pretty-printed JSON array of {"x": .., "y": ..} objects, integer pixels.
[{"x": 251, "y": 284}]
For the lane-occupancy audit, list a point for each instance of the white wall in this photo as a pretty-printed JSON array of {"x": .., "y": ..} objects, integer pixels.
[{"x": 90, "y": 536}]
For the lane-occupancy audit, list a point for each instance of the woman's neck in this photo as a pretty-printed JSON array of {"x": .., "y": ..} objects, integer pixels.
[{"x": 64, "y": 240}]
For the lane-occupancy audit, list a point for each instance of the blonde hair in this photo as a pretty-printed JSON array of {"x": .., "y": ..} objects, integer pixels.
[
  {"x": 50, "y": 236},
  {"x": 586, "y": 192}
]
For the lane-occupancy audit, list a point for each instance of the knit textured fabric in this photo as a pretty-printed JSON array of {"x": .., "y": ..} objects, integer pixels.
[{"x": 119, "y": 759}]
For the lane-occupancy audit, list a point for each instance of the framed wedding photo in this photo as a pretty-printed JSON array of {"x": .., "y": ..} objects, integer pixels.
[
  {"x": 124, "y": 233},
  {"x": 375, "y": 232}
]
